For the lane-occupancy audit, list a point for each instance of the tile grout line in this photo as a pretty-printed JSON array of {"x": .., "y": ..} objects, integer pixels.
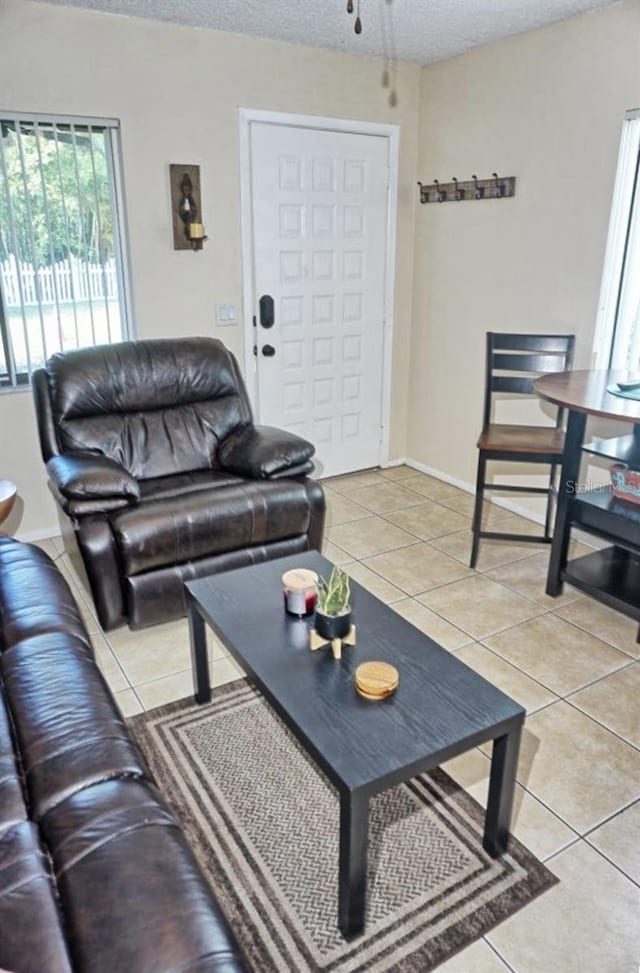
[
  {"x": 560, "y": 696},
  {"x": 545, "y": 608},
  {"x": 543, "y": 611},
  {"x": 498, "y": 953}
]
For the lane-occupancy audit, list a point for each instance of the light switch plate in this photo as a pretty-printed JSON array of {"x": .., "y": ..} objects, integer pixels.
[{"x": 226, "y": 314}]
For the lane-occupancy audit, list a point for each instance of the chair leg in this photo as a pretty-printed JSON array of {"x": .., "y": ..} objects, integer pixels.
[
  {"x": 476, "y": 523},
  {"x": 553, "y": 491}
]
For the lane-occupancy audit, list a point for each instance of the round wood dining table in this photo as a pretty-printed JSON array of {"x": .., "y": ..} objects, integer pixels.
[{"x": 611, "y": 575}]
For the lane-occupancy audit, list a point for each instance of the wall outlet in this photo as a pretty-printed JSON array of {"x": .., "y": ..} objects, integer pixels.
[{"x": 226, "y": 314}]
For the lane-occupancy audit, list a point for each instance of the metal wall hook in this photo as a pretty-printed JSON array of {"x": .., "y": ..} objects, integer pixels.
[
  {"x": 478, "y": 191},
  {"x": 492, "y": 187},
  {"x": 441, "y": 194}
]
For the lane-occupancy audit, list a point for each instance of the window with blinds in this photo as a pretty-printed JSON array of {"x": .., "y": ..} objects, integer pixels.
[
  {"x": 617, "y": 339},
  {"x": 62, "y": 266}
]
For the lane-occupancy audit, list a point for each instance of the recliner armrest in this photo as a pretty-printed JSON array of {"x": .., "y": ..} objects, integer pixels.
[
  {"x": 263, "y": 452},
  {"x": 90, "y": 476}
]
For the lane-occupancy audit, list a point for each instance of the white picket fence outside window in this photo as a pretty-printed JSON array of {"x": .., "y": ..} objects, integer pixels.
[{"x": 67, "y": 280}]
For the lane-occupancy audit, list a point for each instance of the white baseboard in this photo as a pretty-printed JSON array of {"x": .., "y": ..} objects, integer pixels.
[
  {"x": 515, "y": 508},
  {"x": 38, "y": 535},
  {"x": 510, "y": 505}
]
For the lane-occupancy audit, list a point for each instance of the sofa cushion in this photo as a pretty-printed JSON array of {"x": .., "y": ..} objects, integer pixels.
[
  {"x": 175, "y": 531},
  {"x": 12, "y": 805},
  {"x": 34, "y": 596},
  {"x": 32, "y": 938},
  {"x": 118, "y": 851},
  {"x": 155, "y": 407},
  {"x": 69, "y": 730}
]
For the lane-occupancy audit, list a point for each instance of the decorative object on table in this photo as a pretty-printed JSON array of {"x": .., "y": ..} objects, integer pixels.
[
  {"x": 333, "y": 613},
  {"x": 316, "y": 641},
  {"x": 625, "y": 390},
  {"x": 186, "y": 207},
  {"x": 625, "y": 483},
  {"x": 493, "y": 187},
  {"x": 300, "y": 594},
  {"x": 8, "y": 492},
  {"x": 376, "y": 680}
]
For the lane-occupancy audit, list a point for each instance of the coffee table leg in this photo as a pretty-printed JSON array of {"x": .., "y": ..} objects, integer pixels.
[
  {"x": 199, "y": 660},
  {"x": 504, "y": 763},
  {"x": 352, "y": 887}
]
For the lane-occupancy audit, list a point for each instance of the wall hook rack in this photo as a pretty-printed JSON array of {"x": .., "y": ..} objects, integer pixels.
[{"x": 493, "y": 187}]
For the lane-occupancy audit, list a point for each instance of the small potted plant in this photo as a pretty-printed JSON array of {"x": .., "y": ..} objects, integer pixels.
[{"x": 333, "y": 611}]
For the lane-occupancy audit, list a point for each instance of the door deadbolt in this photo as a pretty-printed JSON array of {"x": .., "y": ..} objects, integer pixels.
[
  {"x": 268, "y": 351},
  {"x": 267, "y": 312}
]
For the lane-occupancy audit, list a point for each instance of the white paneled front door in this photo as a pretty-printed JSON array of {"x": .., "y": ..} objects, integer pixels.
[{"x": 319, "y": 202}]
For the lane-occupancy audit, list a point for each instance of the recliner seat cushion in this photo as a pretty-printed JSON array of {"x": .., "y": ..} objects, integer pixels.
[
  {"x": 197, "y": 525},
  {"x": 180, "y": 484}
]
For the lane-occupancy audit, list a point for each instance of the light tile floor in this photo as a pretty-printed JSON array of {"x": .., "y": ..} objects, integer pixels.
[{"x": 573, "y": 664}]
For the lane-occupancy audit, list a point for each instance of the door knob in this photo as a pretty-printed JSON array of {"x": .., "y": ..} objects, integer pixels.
[{"x": 268, "y": 351}]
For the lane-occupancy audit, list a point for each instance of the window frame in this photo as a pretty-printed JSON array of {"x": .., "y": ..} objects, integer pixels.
[
  {"x": 113, "y": 142},
  {"x": 625, "y": 208}
]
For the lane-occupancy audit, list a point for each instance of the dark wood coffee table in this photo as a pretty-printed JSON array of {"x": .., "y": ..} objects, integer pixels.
[{"x": 441, "y": 708}]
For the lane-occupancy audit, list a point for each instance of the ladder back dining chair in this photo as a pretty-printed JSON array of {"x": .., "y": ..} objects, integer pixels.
[{"x": 513, "y": 363}]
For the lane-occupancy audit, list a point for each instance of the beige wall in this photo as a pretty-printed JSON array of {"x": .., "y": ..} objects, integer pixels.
[
  {"x": 547, "y": 107},
  {"x": 177, "y": 92}
]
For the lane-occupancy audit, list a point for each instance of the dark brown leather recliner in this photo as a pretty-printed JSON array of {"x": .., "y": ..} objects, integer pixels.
[{"x": 153, "y": 455}]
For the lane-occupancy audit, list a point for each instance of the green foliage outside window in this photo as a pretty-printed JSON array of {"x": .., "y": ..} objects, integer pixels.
[{"x": 54, "y": 192}]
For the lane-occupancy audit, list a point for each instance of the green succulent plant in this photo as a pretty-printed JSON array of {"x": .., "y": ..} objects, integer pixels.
[{"x": 334, "y": 594}]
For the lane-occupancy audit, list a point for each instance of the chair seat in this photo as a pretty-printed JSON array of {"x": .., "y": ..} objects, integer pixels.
[{"x": 522, "y": 439}]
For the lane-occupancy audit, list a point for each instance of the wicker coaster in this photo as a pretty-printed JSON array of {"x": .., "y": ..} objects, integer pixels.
[{"x": 376, "y": 680}]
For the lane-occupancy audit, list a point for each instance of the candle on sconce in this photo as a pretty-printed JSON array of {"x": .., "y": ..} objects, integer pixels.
[{"x": 196, "y": 231}]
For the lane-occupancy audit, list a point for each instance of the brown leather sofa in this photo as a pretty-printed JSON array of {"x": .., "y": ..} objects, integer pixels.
[
  {"x": 153, "y": 455},
  {"x": 95, "y": 875}
]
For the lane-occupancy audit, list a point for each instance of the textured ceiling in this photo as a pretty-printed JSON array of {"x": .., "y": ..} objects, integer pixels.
[{"x": 422, "y": 30}]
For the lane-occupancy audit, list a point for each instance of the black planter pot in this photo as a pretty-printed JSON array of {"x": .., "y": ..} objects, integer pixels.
[{"x": 333, "y": 626}]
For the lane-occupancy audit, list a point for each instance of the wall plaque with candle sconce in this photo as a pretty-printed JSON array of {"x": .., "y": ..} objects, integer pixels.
[{"x": 186, "y": 207}]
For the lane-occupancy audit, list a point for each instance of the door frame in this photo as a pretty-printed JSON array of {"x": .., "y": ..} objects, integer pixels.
[{"x": 392, "y": 133}]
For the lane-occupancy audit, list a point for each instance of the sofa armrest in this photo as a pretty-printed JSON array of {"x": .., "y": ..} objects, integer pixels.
[
  {"x": 262, "y": 452},
  {"x": 90, "y": 476}
]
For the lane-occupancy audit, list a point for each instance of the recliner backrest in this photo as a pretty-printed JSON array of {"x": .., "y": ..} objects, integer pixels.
[{"x": 157, "y": 407}]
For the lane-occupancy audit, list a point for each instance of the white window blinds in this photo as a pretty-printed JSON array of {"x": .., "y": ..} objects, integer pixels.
[{"x": 62, "y": 272}]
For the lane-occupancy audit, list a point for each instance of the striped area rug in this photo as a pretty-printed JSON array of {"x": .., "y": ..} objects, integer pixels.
[{"x": 263, "y": 822}]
